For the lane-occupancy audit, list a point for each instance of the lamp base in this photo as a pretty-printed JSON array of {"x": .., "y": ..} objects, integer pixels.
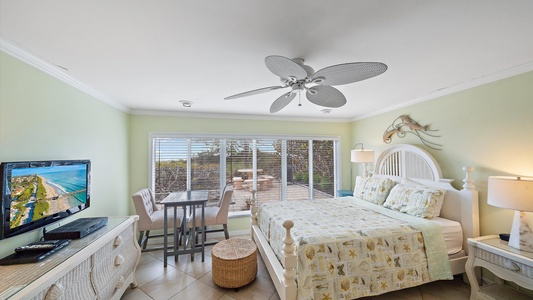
[
  {"x": 521, "y": 233},
  {"x": 366, "y": 173}
]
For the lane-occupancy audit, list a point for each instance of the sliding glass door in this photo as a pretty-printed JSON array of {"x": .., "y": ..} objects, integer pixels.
[{"x": 277, "y": 168}]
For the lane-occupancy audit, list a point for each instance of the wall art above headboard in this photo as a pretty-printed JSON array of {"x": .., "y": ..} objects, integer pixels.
[{"x": 403, "y": 125}]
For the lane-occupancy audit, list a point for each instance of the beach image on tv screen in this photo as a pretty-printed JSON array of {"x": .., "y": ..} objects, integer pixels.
[{"x": 44, "y": 191}]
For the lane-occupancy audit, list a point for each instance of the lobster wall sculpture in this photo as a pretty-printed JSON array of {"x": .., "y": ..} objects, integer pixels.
[{"x": 403, "y": 125}]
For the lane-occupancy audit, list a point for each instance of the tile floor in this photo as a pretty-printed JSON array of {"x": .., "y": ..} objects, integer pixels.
[{"x": 192, "y": 280}]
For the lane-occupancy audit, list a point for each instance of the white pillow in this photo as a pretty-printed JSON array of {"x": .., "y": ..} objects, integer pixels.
[
  {"x": 417, "y": 200},
  {"x": 360, "y": 186},
  {"x": 438, "y": 208},
  {"x": 372, "y": 189}
]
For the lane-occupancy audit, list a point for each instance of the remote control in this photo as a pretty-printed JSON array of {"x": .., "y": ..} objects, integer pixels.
[{"x": 41, "y": 246}]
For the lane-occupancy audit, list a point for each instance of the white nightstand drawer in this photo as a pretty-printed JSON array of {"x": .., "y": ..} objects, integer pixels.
[{"x": 506, "y": 263}]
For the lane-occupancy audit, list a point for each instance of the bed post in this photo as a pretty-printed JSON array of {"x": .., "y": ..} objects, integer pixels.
[
  {"x": 470, "y": 214},
  {"x": 253, "y": 211},
  {"x": 469, "y": 208},
  {"x": 469, "y": 182},
  {"x": 289, "y": 262}
]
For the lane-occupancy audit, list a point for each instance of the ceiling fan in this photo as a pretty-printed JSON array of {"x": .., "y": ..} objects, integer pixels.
[{"x": 294, "y": 74}]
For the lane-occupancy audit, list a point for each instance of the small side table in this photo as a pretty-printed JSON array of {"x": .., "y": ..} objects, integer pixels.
[
  {"x": 234, "y": 262},
  {"x": 503, "y": 261},
  {"x": 344, "y": 193}
]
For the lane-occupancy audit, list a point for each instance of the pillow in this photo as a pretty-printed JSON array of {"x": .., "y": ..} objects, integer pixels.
[
  {"x": 359, "y": 189},
  {"x": 417, "y": 200},
  {"x": 438, "y": 208},
  {"x": 372, "y": 189}
]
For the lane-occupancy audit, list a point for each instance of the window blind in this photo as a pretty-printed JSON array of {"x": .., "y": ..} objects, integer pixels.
[{"x": 277, "y": 168}]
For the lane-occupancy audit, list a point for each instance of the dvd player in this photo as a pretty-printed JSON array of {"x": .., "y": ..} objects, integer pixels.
[{"x": 76, "y": 229}]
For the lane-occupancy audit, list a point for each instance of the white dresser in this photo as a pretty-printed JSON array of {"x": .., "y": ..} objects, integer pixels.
[{"x": 98, "y": 266}]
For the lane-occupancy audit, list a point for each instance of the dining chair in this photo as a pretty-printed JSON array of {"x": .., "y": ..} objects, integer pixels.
[
  {"x": 151, "y": 217},
  {"x": 215, "y": 215}
]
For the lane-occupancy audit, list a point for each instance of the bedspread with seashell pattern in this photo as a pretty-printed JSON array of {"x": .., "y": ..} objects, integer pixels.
[{"x": 346, "y": 251}]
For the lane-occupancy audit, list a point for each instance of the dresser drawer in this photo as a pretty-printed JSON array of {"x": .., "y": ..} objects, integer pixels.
[
  {"x": 118, "y": 280},
  {"x": 509, "y": 264},
  {"x": 121, "y": 264},
  {"x": 117, "y": 259},
  {"x": 114, "y": 244},
  {"x": 76, "y": 284}
]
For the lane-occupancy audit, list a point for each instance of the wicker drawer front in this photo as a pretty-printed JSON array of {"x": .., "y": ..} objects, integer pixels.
[
  {"x": 506, "y": 263},
  {"x": 114, "y": 273},
  {"x": 117, "y": 281},
  {"x": 114, "y": 244},
  {"x": 120, "y": 262},
  {"x": 76, "y": 284}
]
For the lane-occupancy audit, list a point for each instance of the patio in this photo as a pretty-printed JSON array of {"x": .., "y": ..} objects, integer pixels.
[{"x": 242, "y": 196}]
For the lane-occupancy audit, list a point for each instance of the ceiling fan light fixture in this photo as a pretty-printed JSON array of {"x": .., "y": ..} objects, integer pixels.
[{"x": 298, "y": 86}]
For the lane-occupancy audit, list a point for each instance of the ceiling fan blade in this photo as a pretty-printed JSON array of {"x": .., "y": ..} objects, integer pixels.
[
  {"x": 255, "y": 92},
  {"x": 348, "y": 73},
  {"x": 281, "y": 102},
  {"x": 325, "y": 95},
  {"x": 284, "y": 67}
]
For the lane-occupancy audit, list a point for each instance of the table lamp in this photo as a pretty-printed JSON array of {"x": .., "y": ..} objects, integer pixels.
[
  {"x": 514, "y": 193},
  {"x": 363, "y": 156}
]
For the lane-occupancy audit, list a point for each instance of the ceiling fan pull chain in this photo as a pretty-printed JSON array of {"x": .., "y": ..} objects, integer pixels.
[{"x": 299, "y": 98}]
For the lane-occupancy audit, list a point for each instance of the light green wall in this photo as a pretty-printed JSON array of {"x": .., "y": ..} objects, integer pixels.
[
  {"x": 488, "y": 127},
  {"x": 43, "y": 118}
]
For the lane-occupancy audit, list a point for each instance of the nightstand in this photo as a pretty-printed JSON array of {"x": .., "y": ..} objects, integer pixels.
[
  {"x": 503, "y": 261},
  {"x": 344, "y": 193}
]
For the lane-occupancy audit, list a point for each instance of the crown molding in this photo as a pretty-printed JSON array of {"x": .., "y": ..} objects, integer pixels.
[
  {"x": 236, "y": 116},
  {"x": 516, "y": 70},
  {"x": 26, "y": 56}
]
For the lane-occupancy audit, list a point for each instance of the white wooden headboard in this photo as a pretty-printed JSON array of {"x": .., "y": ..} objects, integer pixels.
[
  {"x": 414, "y": 163},
  {"x": 408, "y": 161}
]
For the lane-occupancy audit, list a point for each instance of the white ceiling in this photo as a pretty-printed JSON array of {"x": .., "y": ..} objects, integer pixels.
[{"x": 145, "y": 56}]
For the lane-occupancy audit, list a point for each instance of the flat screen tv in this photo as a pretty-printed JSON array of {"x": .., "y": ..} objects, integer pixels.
[{"x": 37, "y": 193}]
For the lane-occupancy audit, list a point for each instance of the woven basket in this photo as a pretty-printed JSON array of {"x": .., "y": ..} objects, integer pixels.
[{"x": 234, "y": 262}]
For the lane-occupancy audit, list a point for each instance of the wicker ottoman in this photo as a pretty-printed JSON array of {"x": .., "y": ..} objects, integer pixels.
[{"x": 234, "y": 262}]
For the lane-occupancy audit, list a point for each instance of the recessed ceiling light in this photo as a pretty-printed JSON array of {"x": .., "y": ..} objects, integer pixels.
[
  {"x": 186, "y": 103},
  {"x": 326, "y": 111}
]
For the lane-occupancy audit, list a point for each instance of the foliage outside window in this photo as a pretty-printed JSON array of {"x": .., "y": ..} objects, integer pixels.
[{"x": 277, "y": 168}]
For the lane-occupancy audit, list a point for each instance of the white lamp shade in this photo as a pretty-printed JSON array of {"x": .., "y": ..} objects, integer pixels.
[
  {"x": 511, "y": 192},
  {"x": 362, "y": 156}
]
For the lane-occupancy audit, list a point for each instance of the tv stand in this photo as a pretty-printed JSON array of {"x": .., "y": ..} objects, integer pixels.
[{"x": 99, "y": 266}]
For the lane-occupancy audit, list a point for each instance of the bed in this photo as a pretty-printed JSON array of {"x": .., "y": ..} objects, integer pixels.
[{"x": 314, "y": 254}]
